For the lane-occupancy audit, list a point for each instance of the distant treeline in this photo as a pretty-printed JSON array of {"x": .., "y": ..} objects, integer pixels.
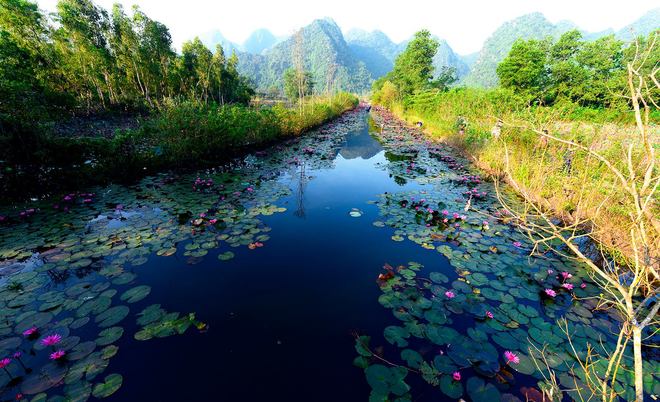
[{"x": 87, "y": 59}]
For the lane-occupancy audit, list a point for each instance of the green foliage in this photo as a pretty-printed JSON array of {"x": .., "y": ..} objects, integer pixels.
[
  {"x": 413, "y": 69},
  {"x": 524, "y": 69},
  {"x": 586, "y": 73},
  {"x": 297, "y": 84},
  {"x": 92, "y": 60}
]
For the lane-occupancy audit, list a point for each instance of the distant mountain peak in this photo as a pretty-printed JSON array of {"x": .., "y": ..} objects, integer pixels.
[{"x": 259, "y": 41}]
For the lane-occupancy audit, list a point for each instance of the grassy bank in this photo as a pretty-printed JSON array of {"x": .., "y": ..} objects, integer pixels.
[
  {"x": 562, "y": 178},
  {"x": 181, "y": 134}
]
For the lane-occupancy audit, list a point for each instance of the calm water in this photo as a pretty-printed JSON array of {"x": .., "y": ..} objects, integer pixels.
[{"x": 283, "y": 314}]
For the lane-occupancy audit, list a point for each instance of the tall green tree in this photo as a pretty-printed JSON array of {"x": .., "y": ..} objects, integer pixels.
[
  {"x": 413, "y": 69},
  {"x": 85, "y": 55},
  {"x": 525, "y": 68}
]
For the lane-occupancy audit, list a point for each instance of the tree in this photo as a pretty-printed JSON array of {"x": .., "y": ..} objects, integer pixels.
[
  {"x": 293, "y": 79},
  {"x": 524, "y": 68},
  {"x": 86, "y": 59},
  {"x": 413, "y": 69}
]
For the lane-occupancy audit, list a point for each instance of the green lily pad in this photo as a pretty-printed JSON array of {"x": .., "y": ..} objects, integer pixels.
[
  {"x": 451, "y": 388},
  {"x": 480, "y": 391},
  {"x": 136, "y": 294},
  {"x": 111, "y": 384},
  {"x": 109, "y": 335},
  {"x": 111, "y": 316},
  {"x": 226, "y": 256}
]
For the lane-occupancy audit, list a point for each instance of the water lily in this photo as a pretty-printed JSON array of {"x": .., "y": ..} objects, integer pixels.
[
  {"x": 456, "y": 376},
  {"x": 489, "y": 314},
  {"x": 550, "y": 292},
  {"x": 517, "y": 244},
  {"x": 583, "y": 285},
  {"x": 57, "y": 355},
  {"x": 5, "y": 362},
  {"x": 17, "y": 354},
  {"x": 568, "y": 286},
  {"x": 566, "y": 275},
  {"x": 511, "y": 357},
  {"x": 450, "y": 294},
  {"x": 30, "y": 331},
  {"x": 51, "y": 340}
]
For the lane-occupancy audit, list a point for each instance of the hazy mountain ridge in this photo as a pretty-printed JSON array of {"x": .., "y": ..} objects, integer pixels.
[
  {"x": 326, "y": 55},
  {"x": 352, "y": 61}
]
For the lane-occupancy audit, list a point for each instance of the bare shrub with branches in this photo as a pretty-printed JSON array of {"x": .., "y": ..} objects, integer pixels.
[{"x": 629, "y": 281}]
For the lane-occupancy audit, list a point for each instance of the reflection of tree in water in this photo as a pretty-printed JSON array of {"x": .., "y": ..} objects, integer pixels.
[
  {"x": 300, "y": 191},
  {"x": 400, "y": 180}
]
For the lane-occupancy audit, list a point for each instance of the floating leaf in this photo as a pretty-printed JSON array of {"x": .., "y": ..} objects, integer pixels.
[
  {"x": 136, "y": 294},
  {"x": 111, "y": 384}
]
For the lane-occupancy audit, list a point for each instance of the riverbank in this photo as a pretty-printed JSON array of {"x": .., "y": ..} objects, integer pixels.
[
  {"x": 181, "y": 135},
  {"x": 562, "y": 179}
]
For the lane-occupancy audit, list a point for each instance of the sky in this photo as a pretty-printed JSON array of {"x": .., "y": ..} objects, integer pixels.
[{"x": 464, "y": 24}]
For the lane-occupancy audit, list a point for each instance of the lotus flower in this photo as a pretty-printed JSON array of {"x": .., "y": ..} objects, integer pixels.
[
  {"x": 456, "y": 376},
  {"x": 57, "y": 355},
  {"x": 51, "y": 340},
  {"x": 550, "y": 292},
  {"x": 511, "y": 357}
]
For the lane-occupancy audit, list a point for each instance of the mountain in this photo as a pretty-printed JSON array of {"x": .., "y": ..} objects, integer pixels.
[
  {"x": 375, "y": 49},
  {"x": 646, "y": 24},
  {"x": 326, "y": 55},
  {"x": 212, "y": 38},
  {"x": 497, "y": 46},
  {"x": 445, "y": 57},
  {"x": 259, "y": 41},
  {"x": 378, "y": 52}
]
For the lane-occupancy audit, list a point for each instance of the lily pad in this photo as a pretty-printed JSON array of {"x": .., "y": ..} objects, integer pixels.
[{"x": 111, "y": 384}]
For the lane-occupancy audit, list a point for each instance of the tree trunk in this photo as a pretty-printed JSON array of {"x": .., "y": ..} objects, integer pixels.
[{"x": 639, "y": 370}]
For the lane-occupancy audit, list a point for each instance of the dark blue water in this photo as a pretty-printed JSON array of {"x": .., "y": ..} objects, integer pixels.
[{"x": 282, "y": 318}]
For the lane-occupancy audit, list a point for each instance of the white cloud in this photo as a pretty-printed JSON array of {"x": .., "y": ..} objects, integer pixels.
[{"x": 464, "y": 24}]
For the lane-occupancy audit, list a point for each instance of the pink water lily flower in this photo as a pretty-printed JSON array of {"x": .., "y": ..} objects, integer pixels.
[
  {"x": 568, "y": 286},
  {"x": 583, "y": 285},
  {"x": 57, "y": 355},
  {"x": 550, "y": 272},
  {"x": 450, "y": 294},
  {"x": 30, "y": 331},
  {"x": 5, "y": 362},
  {"x": 517, "y": 244},
  {"x": 550, "y": 292},
  {"x": 566, "y": 275},
  {"x": 51, "y": 340},
  {"x": 511, "y": 357},
  {"x": 489, "y": 314},
  {"x": 456, "y": 376}
]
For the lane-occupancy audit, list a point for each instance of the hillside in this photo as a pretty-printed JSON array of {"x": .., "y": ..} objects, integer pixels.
[
  {"x": 259, "y": 41},
  {"x": 378, "y": 52},
  {"x": 326, "y": 55},
  {"x": 497, "y": 46},
  {"x": 642, "y": 26}
]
